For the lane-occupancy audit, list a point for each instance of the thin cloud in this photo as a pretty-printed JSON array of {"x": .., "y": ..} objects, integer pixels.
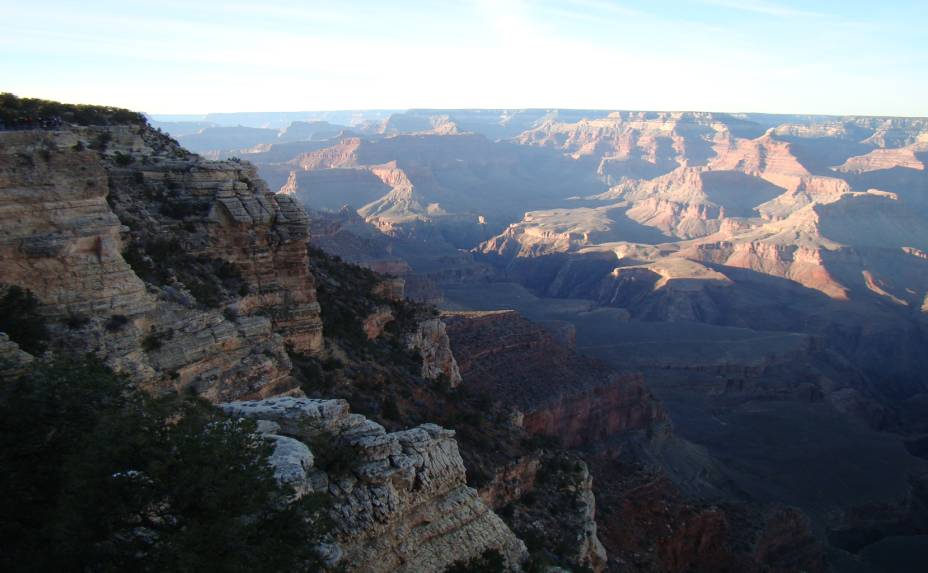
[
  {"x": 766, "y": 8},
  {"x": 606, "y": 6}
]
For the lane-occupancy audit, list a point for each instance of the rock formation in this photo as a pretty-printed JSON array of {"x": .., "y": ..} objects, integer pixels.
[
  {"x": 60, "y": 238},
  {"x": 909, "y": 157},
  {"x": 635, "y": 144},
  {"x": 13, "y": 361},
  {"x": 559, "y": 511},
  {"x": 400, "y": 500},
  {"x": 557, "y": 392},
  {"x": 432, "y": 343},
  {"x": 79, "y": 201}
]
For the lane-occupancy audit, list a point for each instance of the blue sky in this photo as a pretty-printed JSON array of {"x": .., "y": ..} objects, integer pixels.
[{"x": 167, "y": 56}]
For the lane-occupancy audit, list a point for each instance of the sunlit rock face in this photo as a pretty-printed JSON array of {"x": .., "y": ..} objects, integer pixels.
[
  {"x": 60, "y": 237},
  {"x": 189, "y": 273},
  {"x": 432, "y": 343}
]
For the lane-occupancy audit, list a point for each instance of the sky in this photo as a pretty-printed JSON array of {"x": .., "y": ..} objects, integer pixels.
[{"x": 778, "y": 56}]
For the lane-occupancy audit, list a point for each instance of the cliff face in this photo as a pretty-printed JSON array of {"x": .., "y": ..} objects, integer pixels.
[
  {"x": 634, "y": 144},
  {"x": 557, "y": 508},
  {"x": 594, "y": 416},
  {"x": 909, "y": 157},
  {"x": 179, "y": 271},
  {"x": 400, "y": 499},
  {"x": 222, "y": 211},
  {"x": 60, "y": 238},
  {"x": 558, "y": 392},
  {"x": 511, "y": 482}
]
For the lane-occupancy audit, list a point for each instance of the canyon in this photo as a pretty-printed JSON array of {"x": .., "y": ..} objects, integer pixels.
[
  {"x": 662, "y": 342},
  {"x": 753, "y": 267}
]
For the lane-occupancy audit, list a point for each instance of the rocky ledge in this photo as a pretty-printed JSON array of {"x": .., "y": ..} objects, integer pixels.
[{"x": 400, "y": 499}]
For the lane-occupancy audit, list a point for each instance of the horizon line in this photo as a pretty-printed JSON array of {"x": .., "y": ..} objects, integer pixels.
[{"x": 545, "y": 109}]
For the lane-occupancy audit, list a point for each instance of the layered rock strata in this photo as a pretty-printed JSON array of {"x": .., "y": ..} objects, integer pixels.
[
  {"x": 221, "y": 210},
  {"x": 558, "y": 392},
  {"x": 218, "y": 282},
  {"x": 59, "y": 237}
]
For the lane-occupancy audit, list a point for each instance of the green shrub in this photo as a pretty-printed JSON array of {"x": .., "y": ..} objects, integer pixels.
[
  {"x": 116, "y": 322},
  {"x": 155, "y": 339},
  {"x": 205, "y": 291},
  {"x": 179, "y": 209},
  {"x": 335, "y": 459},
  {"x": 312, "y": 374},
  {"x": 331, "y": 363},
  {"x": 25, "y": 159},
  {"x": 538, "y": 562},
  {"x": 20, "y": 320},
  {"x": 123, "y": 159},
  {"x": 477, "y": 477},
  {"x": 542, "y": 442},
  {"x": 389, "y": 409},
  {"x": 101, "y": 141},
  {"x": 99, "y": 478},
  {"x": 491, "y": 561},
  {"x": 75, "y": 321},
  {"x": 32, "y": 113},
  {"x": 211, "y": 281}
]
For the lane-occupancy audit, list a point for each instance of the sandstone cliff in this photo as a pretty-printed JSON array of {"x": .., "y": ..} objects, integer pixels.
[
  {"x": 60, "y": 237},
  {"x": 139, "y": 245},
  {"x": 647, "y": 524}
]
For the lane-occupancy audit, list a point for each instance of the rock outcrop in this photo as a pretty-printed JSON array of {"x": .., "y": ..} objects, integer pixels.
[
  {"x": 182, "y": 272},
  {"x": 559, "y": 511},
  {"x": 693, "y": 202},
  {"x": 13, "y": 360},
  {"x": 375, "y": 322},
  {"x": 222, "y": 211},
  {"x": 510, "y": 482},
  {"x": 910, "y": 157},
  {"x": 432, "y": 343},
  {"x": 400, "y": 500}
]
